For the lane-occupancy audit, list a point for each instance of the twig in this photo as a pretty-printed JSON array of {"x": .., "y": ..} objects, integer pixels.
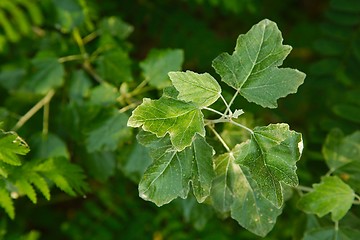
[{"x": 34, "y": 110}]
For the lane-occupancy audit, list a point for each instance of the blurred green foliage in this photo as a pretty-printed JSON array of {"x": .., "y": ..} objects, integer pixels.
[{"x": 93, "y": 55}]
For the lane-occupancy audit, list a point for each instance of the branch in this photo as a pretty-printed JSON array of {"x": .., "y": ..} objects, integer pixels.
[{"x": 34, "y": 110}]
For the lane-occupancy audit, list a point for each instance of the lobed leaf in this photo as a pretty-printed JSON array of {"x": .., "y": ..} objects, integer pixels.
[
  {"x": 234, "y": 191},
  {"x": 253, "y": 67},
  {"x": 330, "y": 195},
  {"x": 270, "y": 156},
  {"x": 201, "y": 89},
  {"x": 169, "y": 175},
  {"x": 168, "y": 115}
]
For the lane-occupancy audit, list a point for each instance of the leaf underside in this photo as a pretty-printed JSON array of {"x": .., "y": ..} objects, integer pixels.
[{"x": 169, "y": 175}]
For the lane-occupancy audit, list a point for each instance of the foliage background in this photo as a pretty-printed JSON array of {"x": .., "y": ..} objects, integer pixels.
[{"x": 325, "y": 38}]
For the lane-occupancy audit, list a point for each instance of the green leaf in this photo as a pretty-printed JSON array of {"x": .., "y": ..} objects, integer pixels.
[
  {"x": 327, "y": 233},
  {"x": 114, "y": 66},
  {"x": 48, "y": 146},
  {"x": 339, "y": 150},
  {"x": 6, "y": 202},
  {"x": 80, "y": 85},
  {"x": 26, "y": 188},
  {"x": 109, "y": 134},
  {"x": 67, "y": 176},
  {"x": 47, "y": 74},
  {"x": 270, "y": 156},
  {"x": 137, "y": 162},
  {"x": 331, "y": 195},
  {"x": 69, "y": 14},
  {"x": 201, "y": 89},
  {"x": 349, "y": 112},
  {"x": 169, "y": 175},
  {"x": 253, "y": 67},
  {"x": 101, "y": 165},
  {"x": 115, "y": 27},
  {"x": 158, "y": 63},
  {"x": 11, "y": 145},
  {"x": 167, "y": 115},
  {"x": 233, "y": 190},
  {"x": 104, "y": 94}
]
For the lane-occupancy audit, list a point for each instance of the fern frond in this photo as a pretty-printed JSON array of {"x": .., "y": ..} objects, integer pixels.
[
  {"x": 6, "y": 202},
  {"x": 17, "y": 17},
  {"x": 11, "y": 145},
  {"x": 67, "y": 176}
]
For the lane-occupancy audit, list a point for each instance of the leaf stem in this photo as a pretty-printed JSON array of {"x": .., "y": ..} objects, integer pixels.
[
  {"x": 46, "y": 119},
  {"x": 336, "y": 225},
  {"x": 304, "y": 188},
  {"x": 71, "y": 58},
  {"x": 219, "y": 137},
  {"x": 229, "y": 120},
  {"x": 232, "y": 101},
  {"x": 215, "y": 111},
  {"x": 357, "y": 201},
  {"x": 34, "y": 110},
  {"x": 226, "y": 104},
  {"x": 130, "y": 106}
]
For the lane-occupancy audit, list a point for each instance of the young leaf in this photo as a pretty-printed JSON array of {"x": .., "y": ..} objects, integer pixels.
[
  {"x": 169, "y": 175},
  {"x": 339, "y": 150},
  {"x": 253, "y": 67},
  {"x": 234, "y": 191},
  {"x": 167, "y": 115},
  {"x": 158, "y": 63},
  {"x": 201, "y": 89},
  {"x": 12, "y": 145},
  {"x": 270, "y": 156},
  {"x": 331, "y": 195}
]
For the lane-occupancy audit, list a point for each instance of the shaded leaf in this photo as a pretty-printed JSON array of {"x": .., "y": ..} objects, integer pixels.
[
  {"x": 104, "y": 94},
  {"x": 253, "y": 68},
  {"x": 101, "y": 165},
  {"x": 158, "y": 63},
  {"x": 330, "y": 195},
  {"x": 115, "y": 27},
  {"x": 115, "y": 66},
  {"x": 48, "y": 74},
  {"x": 169, "y": 175},
  {"x": 339, "y": 150},
  {"x": 201, "y": 89},
  {"x": 109, "y": 134},
  {"x": 327, "y": 233},
  {"x": 270, "y": 156},
  {"x": 167, "y": 115},
  {"x": 48, "y": 146},
  {"x": 137, "y": 162}
]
